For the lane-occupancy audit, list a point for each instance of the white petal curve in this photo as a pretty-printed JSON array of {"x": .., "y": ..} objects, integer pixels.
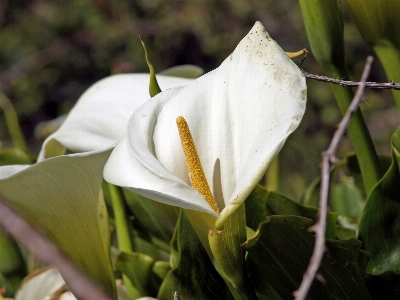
[
  {"x": 141, "y": 172},
  {"x": 40, "y": 284},
  {"x": 100, "y": 116},
  {"x": 239, "y": 114}
]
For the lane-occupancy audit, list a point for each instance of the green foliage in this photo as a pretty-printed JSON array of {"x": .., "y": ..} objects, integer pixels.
[
  {"x": 280, "y": 252},
  {"x": 138, "y": 268},
  {"x": 12, "y": 265},
  {"x": 62, "y": 197},
  {"x": 379, "y": 225},
  {"x": 229, "y": 256},
  {"x": 324, "y": 26},
  {"x": 262, "y": 203},
  {"x": 192, "y": 275},
  {"x": 153, "y": 221}
]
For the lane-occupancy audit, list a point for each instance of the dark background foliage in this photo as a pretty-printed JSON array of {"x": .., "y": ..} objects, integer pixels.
[{"x": 52, "y": 50}]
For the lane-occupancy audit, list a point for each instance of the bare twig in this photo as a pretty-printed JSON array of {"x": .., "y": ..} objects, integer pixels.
[
  {"x": 22, "y": 232},
  {"x": 371, "y": 85},
  {"x": 328, "y": 159}
]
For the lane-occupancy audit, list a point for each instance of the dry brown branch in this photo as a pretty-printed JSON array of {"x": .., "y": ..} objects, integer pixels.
[
  {"x": 371, "y": 85},
  {"x": 82, "y": 287},
  {"x": 328, "y": 158}
]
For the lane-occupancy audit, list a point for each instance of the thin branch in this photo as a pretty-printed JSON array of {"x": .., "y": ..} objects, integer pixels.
[
  {"x": 328, "y": 158},
  {"x": 371, "y": 85},
  {"x": 22, "y": 232}
]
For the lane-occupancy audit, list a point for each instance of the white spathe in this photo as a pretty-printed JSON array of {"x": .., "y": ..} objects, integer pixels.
[
  {"x": 100, "y": 116},
  {"x": 47, "y": 284},
  {"x": 240, "y": 115}
]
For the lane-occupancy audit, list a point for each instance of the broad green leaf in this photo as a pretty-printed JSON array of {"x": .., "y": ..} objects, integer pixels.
[
  {"x": 346, "y": 199},
  {"x": 280, "y": 252},
  {"x": 184, "y": 71},
  {"x": 262, "y": 203},
  {"x": 380, "y": 222},
  {"x": 192, "y": 275},
  {"x": 323, "y": 21},
  {"x": 14, "y": 156},
  {"x": 62, "y": 196},
  {"x": 256, "y": 207},
  {"x": 137, "y": 267}
]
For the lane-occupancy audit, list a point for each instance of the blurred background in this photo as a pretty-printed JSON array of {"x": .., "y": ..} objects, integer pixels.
[{"x": 52, "y": 51}]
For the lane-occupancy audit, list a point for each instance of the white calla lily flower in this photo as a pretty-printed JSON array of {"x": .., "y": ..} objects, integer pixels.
[
  {"x": 240, "y": 115},
  {"x": 47, "y": 284},
  {"x": 100, "y": 116}
]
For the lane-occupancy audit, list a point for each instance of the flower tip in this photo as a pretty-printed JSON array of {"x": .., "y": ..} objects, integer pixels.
[{"x": 180, "y": 120}]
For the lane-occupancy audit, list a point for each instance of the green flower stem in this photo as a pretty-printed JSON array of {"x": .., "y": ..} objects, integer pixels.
[
  {"x": 229, "y": 256},
  {"x": 389, "y": 56},
  {"x": 12, "y": 123},
  {"x": 122, "y": 227}
]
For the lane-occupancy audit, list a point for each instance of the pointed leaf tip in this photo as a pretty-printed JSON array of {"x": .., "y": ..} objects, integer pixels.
[{"x": 154, "y": 88}]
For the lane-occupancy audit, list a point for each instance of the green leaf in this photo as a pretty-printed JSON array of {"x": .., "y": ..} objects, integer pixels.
[
  {"x": 256, "y": 207},
  {"x": 192, "y": 275},
  {"x": 62, "y": 196},
  {"x": 279, "y": 254},
  {"x": 154, "y": 221},
  {"x": 346, "y": 198},
  {"x": 138, "y": 268},
  {"x": 262, "y": 203},
  {"x": 184, "y": 71},
  {"x": 14, "y": 156},
  {"x": 380, "y": 222},
  {"x": 161, "y": 268}
]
